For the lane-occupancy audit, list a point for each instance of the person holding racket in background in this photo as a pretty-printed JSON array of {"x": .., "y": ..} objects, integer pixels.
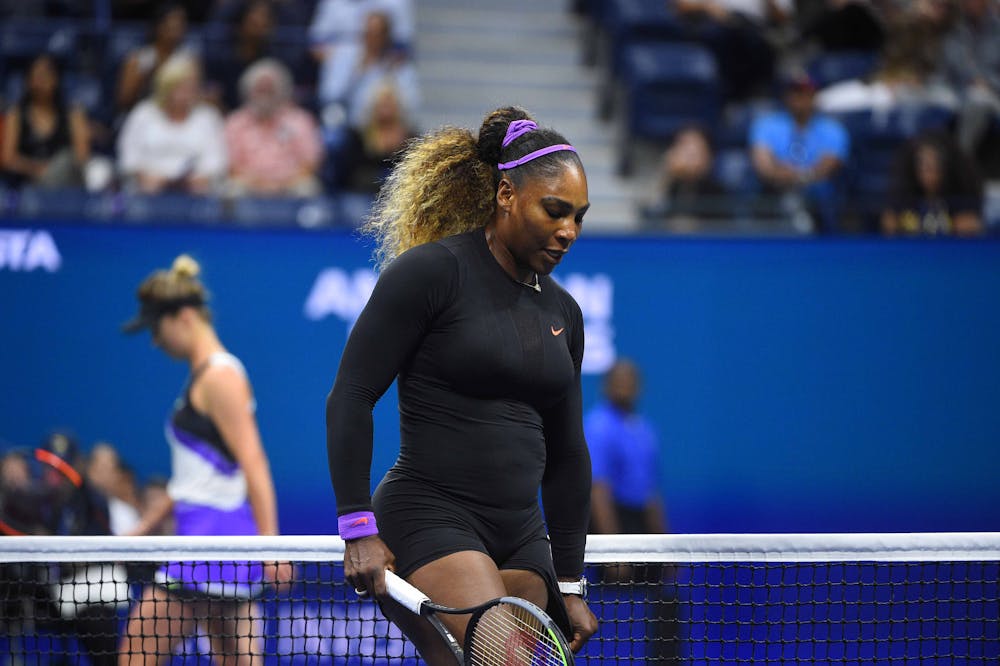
[
  {"x": 487, "y": 349},
  {"x": 221, "y": 483}
]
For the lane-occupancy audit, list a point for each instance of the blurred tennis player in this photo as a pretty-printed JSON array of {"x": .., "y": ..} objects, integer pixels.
[
  {"x": 220, "y": 484},
  {"x": 487, "y": 349}
]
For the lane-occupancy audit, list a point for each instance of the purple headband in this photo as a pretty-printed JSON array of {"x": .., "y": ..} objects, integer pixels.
[{"x": 519, "y": 128}]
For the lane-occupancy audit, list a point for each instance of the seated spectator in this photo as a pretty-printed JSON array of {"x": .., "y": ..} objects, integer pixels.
[
  {"x": 285, "y": 12},
  {"x": 349, "y": 77},
  {"x": 46, "y": 142},
  {"x": 902, "y": 77},
  {"x": 167, "y": 32},
  {"x": 936, "y": 190},
  {"x": 370, "y": 150},
  {"x": 797, "y": 150},
  {"x": 173, "y": 141},
  {"x": 339, "y": 22},
  {"x": 736, "y": 32},
  {"x": 140, "y": 10},
  {"x": 19, "y": 9},
  {"x": 111, "y": 477},
  {"x": 688, "y": 186},
  {"x": 843, "y": 25},
  {"x": 23, "y": 502},
  {"x": 274, "y": 147},
  {"x": 250, "y": 41},
  {"x": 970, "y": 63}
]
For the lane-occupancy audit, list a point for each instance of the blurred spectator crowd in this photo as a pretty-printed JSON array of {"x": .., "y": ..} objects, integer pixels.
[
  {"x": 57, "y": 488},
  {"x": 838, "y": 115},
  {"x": 829, "y": 116},
  {"x": 224, "y": 100}
]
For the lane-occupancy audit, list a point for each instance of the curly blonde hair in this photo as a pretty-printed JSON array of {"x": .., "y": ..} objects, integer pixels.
[{"x": 445, "y": 182}]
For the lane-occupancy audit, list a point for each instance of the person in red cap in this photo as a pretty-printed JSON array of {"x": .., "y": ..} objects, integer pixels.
[{"x": 43, "y": 493}]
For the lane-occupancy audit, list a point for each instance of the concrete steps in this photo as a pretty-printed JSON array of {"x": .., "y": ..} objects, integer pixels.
[{"x": 473, "y": 58}]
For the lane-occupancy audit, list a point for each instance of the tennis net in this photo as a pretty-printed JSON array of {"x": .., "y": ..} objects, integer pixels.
[{"x": 675, "y": 599}]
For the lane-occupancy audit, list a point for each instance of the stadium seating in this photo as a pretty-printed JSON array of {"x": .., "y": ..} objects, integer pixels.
[
  {"x": 280, "y": 212},
  {"x": 834, "y": 66},
  {"x": 22, "y": 40},
  {"x": 664, "y": 87},
  {"x": 66, "y": 203},
  {"x": 171, "y": 209},
  {"x": 624, "y": 23}
]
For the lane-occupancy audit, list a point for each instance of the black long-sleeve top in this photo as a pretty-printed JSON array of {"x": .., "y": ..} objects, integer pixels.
[{"x": 489, "y": 389}]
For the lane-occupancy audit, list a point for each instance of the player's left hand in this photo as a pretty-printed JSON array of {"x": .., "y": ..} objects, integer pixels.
[{"x": 279, "y": 574}]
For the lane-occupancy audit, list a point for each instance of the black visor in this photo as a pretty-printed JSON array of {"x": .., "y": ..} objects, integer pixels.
[{"x": 151, "y": 311}]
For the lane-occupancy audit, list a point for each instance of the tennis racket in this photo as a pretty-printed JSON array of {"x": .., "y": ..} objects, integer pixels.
[{"x": 508, "y": 631}]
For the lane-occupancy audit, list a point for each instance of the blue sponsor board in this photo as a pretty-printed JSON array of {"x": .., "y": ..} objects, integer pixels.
[{"x": 797, "y": 385}]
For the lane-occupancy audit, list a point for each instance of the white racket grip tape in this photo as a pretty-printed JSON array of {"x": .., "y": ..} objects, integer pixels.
[{"x": 411, "y": 598}]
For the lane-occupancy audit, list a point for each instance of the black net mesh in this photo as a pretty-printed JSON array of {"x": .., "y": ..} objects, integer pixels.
[{"x": 730, "y": 613}]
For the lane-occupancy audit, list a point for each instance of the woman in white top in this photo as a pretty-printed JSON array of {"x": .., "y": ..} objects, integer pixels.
[
  {"x": 173, "y": 141},
  {"x": 220, "y": 485}
]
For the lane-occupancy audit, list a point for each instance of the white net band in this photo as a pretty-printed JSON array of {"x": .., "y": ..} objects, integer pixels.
[{"x": 915, "y": 547}]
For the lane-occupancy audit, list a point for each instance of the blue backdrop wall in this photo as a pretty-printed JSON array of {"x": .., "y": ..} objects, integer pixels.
[{"x": 797, "y": 385}]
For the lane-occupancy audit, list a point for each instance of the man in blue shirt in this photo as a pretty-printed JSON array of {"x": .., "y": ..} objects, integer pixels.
[
  {"x": 625, "y": 499},
  {"x": 624, "y": 453},
  {"x": 797, "y": 150}
]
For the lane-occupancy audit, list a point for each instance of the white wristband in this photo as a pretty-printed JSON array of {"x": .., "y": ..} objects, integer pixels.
[{"x": 577, "y": 587}]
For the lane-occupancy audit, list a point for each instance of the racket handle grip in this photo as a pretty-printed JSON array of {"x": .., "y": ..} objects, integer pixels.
[{"x": 410, "y": 597}]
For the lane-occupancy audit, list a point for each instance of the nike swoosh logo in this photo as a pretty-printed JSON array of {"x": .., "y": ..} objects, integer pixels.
[
  {"x": 556, "y": 331},
  {"x": 360, "y": 521}
]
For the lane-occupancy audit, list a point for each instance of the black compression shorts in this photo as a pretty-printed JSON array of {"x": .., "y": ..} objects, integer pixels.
[{"x": 420, "y": 524}]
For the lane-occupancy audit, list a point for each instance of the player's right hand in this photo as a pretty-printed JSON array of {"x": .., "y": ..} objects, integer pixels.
[{"x": 365, "y": 562}]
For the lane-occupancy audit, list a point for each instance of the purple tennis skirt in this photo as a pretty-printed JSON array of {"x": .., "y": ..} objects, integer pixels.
[{"x": 231, "y": 580}]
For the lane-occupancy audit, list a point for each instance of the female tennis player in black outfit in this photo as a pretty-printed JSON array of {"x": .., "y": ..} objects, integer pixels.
[{"x": 487, "y": 349}]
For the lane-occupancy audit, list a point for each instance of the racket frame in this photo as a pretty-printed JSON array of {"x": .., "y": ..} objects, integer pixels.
[{"x": 420, "y": 604}]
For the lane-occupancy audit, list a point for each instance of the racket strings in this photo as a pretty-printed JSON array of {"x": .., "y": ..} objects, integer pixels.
[{"x": 508, "y": 635}]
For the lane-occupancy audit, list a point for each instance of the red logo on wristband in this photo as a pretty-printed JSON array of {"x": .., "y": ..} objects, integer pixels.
[{"x": 360, "y": 521}]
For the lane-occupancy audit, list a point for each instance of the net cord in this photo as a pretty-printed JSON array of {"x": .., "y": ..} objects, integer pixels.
[{"x": 887, "y": 547}]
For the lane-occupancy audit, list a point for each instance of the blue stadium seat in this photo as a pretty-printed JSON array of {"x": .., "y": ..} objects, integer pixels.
[
  {"x": 171, "y": 209},
  {"x": 629, "y": 22},
  {"x": 734, "y": 171},
  {"x": 85, "y": 90},
  {"x": 290, "y": 42},
  {"x": 21, "y": 40},
  {"x": 666, "y": 86},
  {"x": 269, "y": 212},
  {"x": 121, "y": 40},
  {"x": 624, "y": 23},
  {"x": 991, "y": 210},
  {"x": 834, "y": 66},
  {"x": 284, "y": 212},
  {"x": 733, "y": 130},
  {"x": 70, "y": 204}
]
